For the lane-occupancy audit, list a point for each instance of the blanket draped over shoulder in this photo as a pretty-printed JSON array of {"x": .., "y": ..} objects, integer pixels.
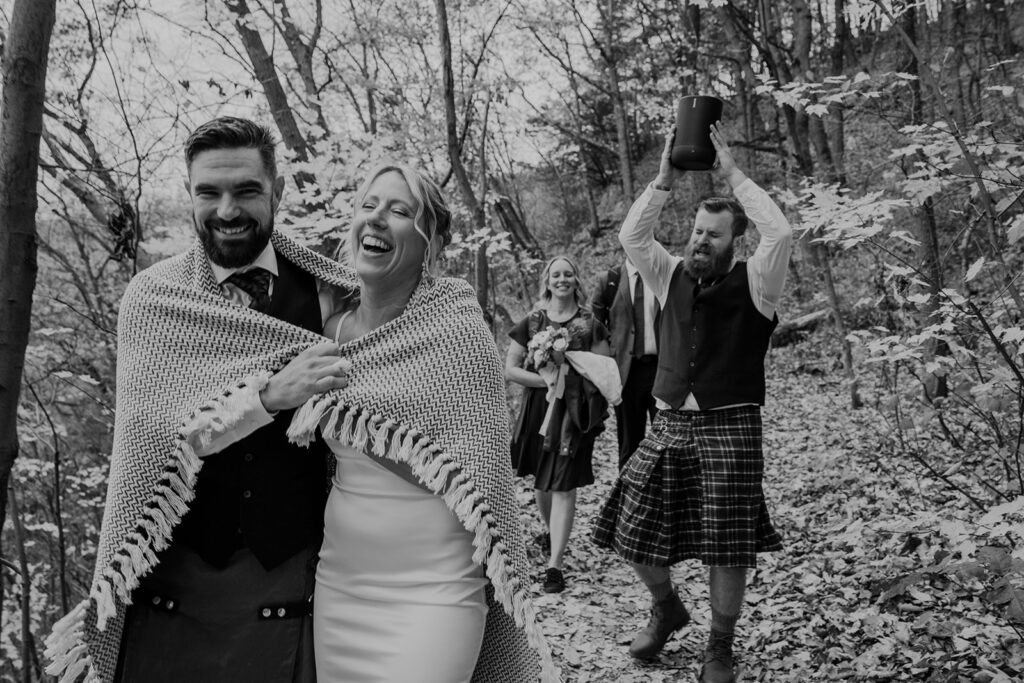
[{"x": 425, "y": 389}]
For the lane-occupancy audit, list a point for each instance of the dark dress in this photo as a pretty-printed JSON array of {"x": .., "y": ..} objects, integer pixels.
[{"x": 564, "y": 464}]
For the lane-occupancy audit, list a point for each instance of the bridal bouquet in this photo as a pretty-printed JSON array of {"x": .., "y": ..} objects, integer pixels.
[{"x": 547, "y": 348}]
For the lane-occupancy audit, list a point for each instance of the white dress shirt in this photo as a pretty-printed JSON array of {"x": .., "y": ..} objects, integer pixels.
[
  {"x": 650, "y": 310},
  {"x": 766, "y": 269},
  {"x": 247, "y": 403}
]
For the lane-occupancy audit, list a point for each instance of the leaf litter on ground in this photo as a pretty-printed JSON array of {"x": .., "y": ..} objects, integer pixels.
[{"x": 854, "y": 595}]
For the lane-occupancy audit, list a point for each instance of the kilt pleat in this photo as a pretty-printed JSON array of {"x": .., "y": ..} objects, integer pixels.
[{"x": 692, "y": 490}]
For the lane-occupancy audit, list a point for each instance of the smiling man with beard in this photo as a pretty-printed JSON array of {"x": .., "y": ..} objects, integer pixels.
[
  {"x": 206, "y": 559},
  {"x": 692, "y": 490}
]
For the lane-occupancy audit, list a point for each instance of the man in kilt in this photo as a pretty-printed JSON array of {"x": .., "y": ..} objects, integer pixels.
[{"x": 693, "y": 488}]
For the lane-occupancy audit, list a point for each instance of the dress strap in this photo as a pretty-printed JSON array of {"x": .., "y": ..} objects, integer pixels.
[{"x": 341, "y": 321}]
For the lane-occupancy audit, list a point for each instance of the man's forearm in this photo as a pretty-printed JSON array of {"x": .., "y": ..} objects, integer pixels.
[{"x": 651, "y": 259}]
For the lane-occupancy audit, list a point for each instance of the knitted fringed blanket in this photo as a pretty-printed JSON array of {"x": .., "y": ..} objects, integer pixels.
[{"x": 425, "y": 389}]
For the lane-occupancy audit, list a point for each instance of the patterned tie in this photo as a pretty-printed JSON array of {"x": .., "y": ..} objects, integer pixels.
[
  {"x": 256, "y": 283},
  {"x": 638, "y": 317}
]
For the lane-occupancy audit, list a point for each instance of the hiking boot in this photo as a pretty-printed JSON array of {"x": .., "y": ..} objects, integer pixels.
[
  {"x": 554, "y": 580},
  {"x": 718, "y": 663},
  {"x": 668, "y": 615}
]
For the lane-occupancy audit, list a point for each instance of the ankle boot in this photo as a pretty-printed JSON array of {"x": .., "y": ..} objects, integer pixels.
[
  {"x": 718, "y": 661},
  {"x": 668, "y": 615}
]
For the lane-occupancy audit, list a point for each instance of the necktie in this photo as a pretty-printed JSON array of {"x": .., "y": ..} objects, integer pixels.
[
  {"x": 256, "y": 283},
  {"x": 638, "y": 317}
]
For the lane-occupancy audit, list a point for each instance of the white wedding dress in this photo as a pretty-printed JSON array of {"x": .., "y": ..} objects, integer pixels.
[{"x": 398, "y": 598}]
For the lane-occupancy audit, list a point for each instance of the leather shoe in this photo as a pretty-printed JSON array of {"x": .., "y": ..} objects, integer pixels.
[
  {"x": 668, "y": 615},
  {"x": 554, "y": 580},
  {"x": 718, "y": 661}
]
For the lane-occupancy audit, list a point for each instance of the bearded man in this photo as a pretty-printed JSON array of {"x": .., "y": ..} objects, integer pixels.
[
  {"x": 693, "y": 488},
  {"x": 206, "y": 560}
]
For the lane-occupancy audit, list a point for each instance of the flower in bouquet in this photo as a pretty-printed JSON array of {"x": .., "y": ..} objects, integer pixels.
[{"x": 547, "y": 348}]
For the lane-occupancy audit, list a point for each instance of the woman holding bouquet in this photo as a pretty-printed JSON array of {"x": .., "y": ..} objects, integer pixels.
[{"x": 554, "y": 440}]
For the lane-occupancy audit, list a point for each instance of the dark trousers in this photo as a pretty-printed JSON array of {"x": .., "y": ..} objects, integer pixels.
[{"x": 637, "y": 406}]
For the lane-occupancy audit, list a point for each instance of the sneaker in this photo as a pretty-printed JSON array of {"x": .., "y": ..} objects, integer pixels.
[
  {"x": 668, "y": 615},
  {"x": 718, "y": 660},
  {"x": 554, "y": 580}
]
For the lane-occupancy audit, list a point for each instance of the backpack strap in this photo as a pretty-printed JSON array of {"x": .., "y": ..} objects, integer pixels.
[
  {"x": 611, "y": 286},
  {"x": 536, "y": 319}
]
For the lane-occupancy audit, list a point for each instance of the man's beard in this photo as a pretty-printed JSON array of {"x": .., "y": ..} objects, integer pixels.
[
  {"x": 240, "y": 253},
  {"x": 707, "y": 265}
]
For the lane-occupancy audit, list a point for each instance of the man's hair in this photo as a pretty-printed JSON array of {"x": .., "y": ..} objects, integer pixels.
[
  {"x": 228, "y": 132},
  {"x": 720, "y": 204}
]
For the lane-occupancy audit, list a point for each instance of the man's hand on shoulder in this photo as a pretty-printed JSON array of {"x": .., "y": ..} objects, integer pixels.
[{"x": 314, "y": 371}]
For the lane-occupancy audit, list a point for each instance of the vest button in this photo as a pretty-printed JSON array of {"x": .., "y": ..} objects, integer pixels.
[
  {"x": 248, "y": 494},
  {"x": 265, "y": 612},
  {"x": 248, "y": 457}
]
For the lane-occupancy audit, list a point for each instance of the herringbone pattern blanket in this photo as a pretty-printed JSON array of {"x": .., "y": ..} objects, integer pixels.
[{"x": 426, "y": 389}]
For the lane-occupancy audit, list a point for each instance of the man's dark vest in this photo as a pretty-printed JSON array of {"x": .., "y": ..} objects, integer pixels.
[
  {"x": 262, "y": 492},
  {"x": 712, "y": 342}
]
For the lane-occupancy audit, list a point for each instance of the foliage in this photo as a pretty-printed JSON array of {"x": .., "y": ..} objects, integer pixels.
[
  {"x": 899, "y": 167},
  {"x": 883, "y": 576}
]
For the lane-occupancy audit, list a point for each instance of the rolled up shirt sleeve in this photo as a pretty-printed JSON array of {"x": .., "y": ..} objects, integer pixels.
[
  {"x": 213, "y": 436},
  {"x": 768, "y": 267}
]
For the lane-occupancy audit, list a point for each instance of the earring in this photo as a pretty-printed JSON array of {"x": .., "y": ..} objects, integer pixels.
[{"x": 425, "y": 273}]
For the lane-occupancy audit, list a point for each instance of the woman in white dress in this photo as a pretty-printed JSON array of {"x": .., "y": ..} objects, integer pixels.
[
  {"x": 398, "y": 597},
  {"x": 423, "y": 574}
]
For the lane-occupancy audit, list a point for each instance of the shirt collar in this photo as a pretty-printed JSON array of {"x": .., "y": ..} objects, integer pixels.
[
  {"x": 266, "y": 260},
  {"x": 630, "y": 270}
]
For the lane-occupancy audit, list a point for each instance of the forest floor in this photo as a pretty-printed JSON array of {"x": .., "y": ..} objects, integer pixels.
[{"x": 831, "y": 606}]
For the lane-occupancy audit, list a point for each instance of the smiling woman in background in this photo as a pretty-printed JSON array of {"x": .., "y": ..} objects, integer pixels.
[{"x": 560, "y": 458}]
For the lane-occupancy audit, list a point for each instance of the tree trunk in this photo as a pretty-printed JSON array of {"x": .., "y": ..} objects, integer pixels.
[
  {"x": 266, "y": 74},
  {"x": 609, "y": 52},
  {"x": 815, "y": 129},
  {"x": 928, "y": 255},
  {"x": 455, "y": 156},
  {"x": 302, "y": 52},
  {"x": 21, "y": 124},
  {"x": 28, "y": 650}
]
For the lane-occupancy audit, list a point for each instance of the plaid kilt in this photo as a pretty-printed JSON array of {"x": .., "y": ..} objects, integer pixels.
[{"x": 692, "y": 490}]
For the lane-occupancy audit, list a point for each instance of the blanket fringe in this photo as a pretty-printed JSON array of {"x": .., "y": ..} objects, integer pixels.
[
  {"x": 441, "y": 474},
  {"x": 66, "y": 648}
]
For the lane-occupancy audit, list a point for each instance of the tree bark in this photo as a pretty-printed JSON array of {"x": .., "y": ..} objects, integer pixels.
[
  {"x": 21, "y": 125},
  {"x": 609, "y": 53},
  {"x": 302, "y": 52},
  {"x": 928, "y": 256},
  {"x": 454, "y": 154},
  {"x": 815, "y": 129},
  {"x": 266, "y": 74}
]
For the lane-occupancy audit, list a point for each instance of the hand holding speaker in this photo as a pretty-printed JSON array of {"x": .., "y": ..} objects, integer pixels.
[{"x": 724, "y": 161}]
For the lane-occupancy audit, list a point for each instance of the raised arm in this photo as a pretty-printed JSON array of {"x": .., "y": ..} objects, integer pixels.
[
  {"x": 654, "y": 263},
  {"x": 768, "y": 266}
]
